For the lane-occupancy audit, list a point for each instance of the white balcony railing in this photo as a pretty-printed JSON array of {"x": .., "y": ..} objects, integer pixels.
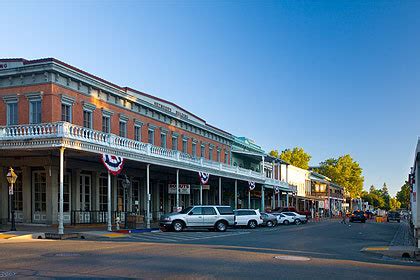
[{"x": 75, "y": 132}]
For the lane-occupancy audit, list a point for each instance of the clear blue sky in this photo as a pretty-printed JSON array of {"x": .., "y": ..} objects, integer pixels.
[{"x": 333, "y": 77}]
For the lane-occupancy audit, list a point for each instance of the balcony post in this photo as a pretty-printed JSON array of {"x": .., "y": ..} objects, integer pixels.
[
  {"x": 148, "y": 195},
  {"x": 262, "y": 198},
  {"x": 61, "y": 209},
  {"x": 287, "y": 199},
  {"x": 109, "y": 203},
  {"x": 236, "y": 194},
  {"x": 220, "y": 190},
  {"x": 177, "y": 189}
]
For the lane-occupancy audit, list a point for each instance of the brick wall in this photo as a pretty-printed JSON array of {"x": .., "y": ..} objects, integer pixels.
[{"x": 51, "y": 112}]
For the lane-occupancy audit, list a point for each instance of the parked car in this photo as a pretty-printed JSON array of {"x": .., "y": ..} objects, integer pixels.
[
  {"x": 283, "y": 219},
  {"x": 269, "y": 220},
  {"x": 297, "y": 218},
  {"x": 291, "y": 209},
  {"x": 358, "y": 215},
  {"x": 216, "y": 217},
  {"x": 393, "y": 216},
  {"x": 248, "y": 217}
]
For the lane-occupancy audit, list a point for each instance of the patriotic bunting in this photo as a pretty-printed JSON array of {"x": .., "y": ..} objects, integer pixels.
[
  {"x": 114, "y": 164},
  {"x": 204, "y": 177}
]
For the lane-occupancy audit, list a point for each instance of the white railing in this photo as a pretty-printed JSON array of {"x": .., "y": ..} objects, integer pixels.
[{"x": 71, "y": 131}]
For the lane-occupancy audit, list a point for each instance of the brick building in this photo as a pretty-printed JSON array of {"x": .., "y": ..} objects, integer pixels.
[{"x": 55, "y": 123}]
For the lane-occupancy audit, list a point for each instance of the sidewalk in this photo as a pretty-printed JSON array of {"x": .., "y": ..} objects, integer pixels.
[
  {"x": 34, "y": 232},
  {"x": 402, "y": 245}
]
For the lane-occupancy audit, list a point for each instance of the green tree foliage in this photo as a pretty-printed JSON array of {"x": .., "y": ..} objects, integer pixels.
[
  {"x": 274, "y": 153},
  {"x": 297, "y": 157},
  {"x": 394, "y": 204},
  {"x": 374, "y": 197},
  {"x": 403, "y": 196},
  {"x": 344, "y": 171}
]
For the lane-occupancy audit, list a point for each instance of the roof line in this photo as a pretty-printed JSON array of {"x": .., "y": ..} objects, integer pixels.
[{"x": 51, "y": 59}]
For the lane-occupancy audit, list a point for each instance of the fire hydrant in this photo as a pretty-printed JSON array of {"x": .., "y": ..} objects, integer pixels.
[{"x": 117, "y": 223}]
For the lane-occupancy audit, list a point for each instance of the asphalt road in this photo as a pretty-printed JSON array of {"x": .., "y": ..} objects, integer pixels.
[{"x": 327, "y": 250}]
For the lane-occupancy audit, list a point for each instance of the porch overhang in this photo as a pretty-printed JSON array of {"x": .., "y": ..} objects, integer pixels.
[{"x": 70, "y": 136}]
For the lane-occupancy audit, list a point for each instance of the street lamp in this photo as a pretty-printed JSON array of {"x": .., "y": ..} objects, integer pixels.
[
  {"x": 125, "y": 183},
  {"x": 11, "y": 178}
]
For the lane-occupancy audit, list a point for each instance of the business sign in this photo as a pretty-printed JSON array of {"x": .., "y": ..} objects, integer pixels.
[
  {"x": 198, "y": 187},
  {"x": 321, "y": 204},
  {"x": 183, "y": 189}
]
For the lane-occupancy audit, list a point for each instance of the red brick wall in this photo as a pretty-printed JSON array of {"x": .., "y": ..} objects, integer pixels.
[{"x": 51, "y": 112}]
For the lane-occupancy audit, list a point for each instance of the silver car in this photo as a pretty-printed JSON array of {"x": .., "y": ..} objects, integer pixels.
[{"x": 216, "y": 217}]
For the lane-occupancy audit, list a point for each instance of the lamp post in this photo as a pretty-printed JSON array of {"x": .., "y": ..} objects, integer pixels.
[
  {"x": 125, "y": 184},
  {"x": 11, "y": 178}
]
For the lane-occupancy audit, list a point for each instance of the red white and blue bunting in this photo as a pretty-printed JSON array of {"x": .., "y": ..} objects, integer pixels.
[
  {"x": 204, "y": 177},
  {"x": 251, "y": 185},
  {"x": 114, "y": 164}
]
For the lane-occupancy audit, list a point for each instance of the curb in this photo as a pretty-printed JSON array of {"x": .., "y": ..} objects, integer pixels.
[{"x": 129, "y": 231}]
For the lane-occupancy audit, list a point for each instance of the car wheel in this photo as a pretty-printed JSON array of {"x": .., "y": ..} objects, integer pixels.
[
  {"x": 270, "y": 224},
  {"x": 220, "y": 226},
  {"x": 177, "y": 226},
  {"x": 252, "y": 224},
  {"x": 286, "y": 222},
  {"x": 298, "y": 222}
]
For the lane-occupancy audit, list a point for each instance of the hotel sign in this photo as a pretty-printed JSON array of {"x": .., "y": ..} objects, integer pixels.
[
  {"x": 183, "y": 189},
  {"x": 166, "y": 108}
]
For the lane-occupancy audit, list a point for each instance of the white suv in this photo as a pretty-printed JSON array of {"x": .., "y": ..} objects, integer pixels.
[{"x": 248, "y": 217}]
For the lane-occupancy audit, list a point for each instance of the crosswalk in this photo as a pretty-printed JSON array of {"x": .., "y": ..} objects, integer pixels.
[
  {"x": 193, "y": 235},
  {"x": 174, "y": 237}
]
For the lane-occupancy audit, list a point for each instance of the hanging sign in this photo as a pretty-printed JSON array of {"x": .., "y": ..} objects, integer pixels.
[
  {"x": 112, "y": 163},
  {"x": 204, "y": 177},
  {"x": 251, "y": 185},
  {"x": 276, "y": 190},
  {"x": 182, "y": 189}
]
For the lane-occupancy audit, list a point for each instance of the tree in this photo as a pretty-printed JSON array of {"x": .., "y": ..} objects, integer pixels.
[
  {"x": 345, "y": 172},
  {"x": 394, "y": 204},
  {"x": 297, "y": 157},
  {"x": 387, "y": 198},
  {"x": 403, "y": 196},
  {"x": 274, "y": 153}
]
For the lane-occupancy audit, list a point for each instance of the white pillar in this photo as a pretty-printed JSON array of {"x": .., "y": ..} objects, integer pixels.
[
  {"x": 262, "y": 199},
  {"x": 262, "y": 169},
  {"x": 236, "y": 194},
  {"x": 109, "y": 206},
  {"x": 148, "y": 196},
  {"x": 201, "y": 194},
  {"x": 61, "y": 210},
  {"x": 287, "y": 199},
  {"x": 177, "y": 189},
  {"x": 278, "y": 171},
  {"x": 278, "y": 199},
  {"x": 220, "y": 190},
  {"x": 272, "y": 170},
  {"x": 249, "y": 199}
]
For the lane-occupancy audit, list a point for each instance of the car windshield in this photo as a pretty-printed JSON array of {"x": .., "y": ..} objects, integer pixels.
[{"x": 185, "y": 210}]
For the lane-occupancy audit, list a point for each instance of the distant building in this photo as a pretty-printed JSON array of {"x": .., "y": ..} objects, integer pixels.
[{"x": 414, "y": 180}]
